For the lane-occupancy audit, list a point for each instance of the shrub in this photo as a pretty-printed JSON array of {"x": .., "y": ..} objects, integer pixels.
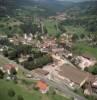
[
  {"x": 11, "y": 92},
  {"x": 1, "y": 74},
  {"x": 20, "y": 97}
]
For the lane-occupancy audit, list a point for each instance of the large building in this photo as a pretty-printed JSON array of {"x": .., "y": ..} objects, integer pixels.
[{"x": 71, "y": 76}]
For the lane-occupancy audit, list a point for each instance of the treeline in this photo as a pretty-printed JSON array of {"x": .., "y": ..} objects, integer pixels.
[
  {"x": 14, "y": 52},
  {"x": 83, "y": 14},
  {"x": 38, "y": 62},
  {"x": 90, "y": 24},
  {"x": 7, "y": 7},
  {"x": 32, "y": 57},
  {"x": 49, "y": 7}
]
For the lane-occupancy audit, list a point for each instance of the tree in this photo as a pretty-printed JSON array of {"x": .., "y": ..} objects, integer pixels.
[
  {"x": 20, "y": 97},
  {"x": 11, "y": 92},
  {"x": 93, "y": 70},
  {"x": 82, "y": 36},
  {"x": 12, "y": 55},
  {"x": 7, "y": 7},
  {"x": 45, "y": 30},
  {"x": 30, "y": 58},
  {"x": 75, "y": 37},
  {"x": 27, "y": 27},
  {"x": 5, "y": 53},
  {"x": 52, "y": 91},
  {"x": 13, "y": 71},
  {"x": 1, "y": 74},
  {"x": 38, "y": 62},
  {"x": 62, "y": 29}
]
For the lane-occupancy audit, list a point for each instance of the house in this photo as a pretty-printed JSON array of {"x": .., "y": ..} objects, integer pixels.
[
  {"x": 1, "y": 48},
  {"x": 8, "y": 67},
  {"x": 65, "y": 38},
  {"x": 94, "y": 85},
  {"x": 42, "y": 86},
  {"x": 3, "y": 36},
  {"x": 57, "y": 50},
  {"x": 28, "y": 38},
  {"x": 87, "y": 92},
  {"x": 68, "y": 54},
  {"x": 49, "y": 43},
  {"x": 85, "y": 62},
  {"x": 71, "y": 76}
]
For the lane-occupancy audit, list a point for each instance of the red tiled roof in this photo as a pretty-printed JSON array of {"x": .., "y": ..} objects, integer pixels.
[
  {"x": 9, "y": 66},
  {"x": 42, "y": 85}
]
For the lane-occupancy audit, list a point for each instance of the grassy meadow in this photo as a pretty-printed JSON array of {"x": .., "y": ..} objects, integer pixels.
[
  {"x": 85, "y": 48},
  {"x": 24, "y": 92}
]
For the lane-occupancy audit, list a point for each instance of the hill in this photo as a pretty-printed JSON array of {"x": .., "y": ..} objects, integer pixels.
[
  {"x": 8, "y": 7},
  {"x": 83, "y": 14}
]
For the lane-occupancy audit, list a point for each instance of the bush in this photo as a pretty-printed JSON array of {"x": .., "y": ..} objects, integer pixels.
[
  {"x": 20, "y": 97},
  {"x": 52, "y": 91},
  {"x": 1, "y": 74},
  {"x": 93, "y": 70},
  {"x": 35, "y": 88},
  {"x": 91, "y": 97},
  {"x": 11, "y": 92},
  {"x": 38, "y": 62}
]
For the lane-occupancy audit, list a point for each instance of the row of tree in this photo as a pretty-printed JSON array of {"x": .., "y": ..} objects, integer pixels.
[{"x": 38, "y": 62}]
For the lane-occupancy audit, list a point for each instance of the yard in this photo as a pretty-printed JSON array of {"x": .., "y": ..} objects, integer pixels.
[
  {"x": 23, "y": 88},
  {"x": 4, "y": 61},
  {"x": 27, "y": 95},
  {"x": 9, "y": 25},
  {"x": 85, "y": 48},
  {"x": 51, "y": 27},
  {"x": 76, "y": 30}
]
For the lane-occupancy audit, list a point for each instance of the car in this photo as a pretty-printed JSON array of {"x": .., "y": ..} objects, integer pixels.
[{"x": 28, "y": 75}]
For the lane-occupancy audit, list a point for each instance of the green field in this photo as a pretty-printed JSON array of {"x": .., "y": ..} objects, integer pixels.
[
  {"x": 85, "y": 48},
  {"x": 76, "y": 30},
  {"x": 51, "y": 27},
  {"x": 21, "y": 89},
  {"x": 9, "y": 25},
  {"x": 27, "y": 94}
]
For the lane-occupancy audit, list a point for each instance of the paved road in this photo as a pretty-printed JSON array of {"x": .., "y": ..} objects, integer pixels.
[
  {"x": 59, "y": 86},
  {"x": 62, "y": 88},
  {"x": 5, "y": 60}
]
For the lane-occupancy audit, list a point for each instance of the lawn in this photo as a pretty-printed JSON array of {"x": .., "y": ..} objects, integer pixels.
[
  {"x": 76, "y": 30},
  {"x": 22, "y": 89},
  {"x": 3, "y": 61},
  {"x": 51, "y": 27},
  {"x": 85, "y": 48},
  {"x": 27, "y": 95},
  {"x": 7, "y": 23}
]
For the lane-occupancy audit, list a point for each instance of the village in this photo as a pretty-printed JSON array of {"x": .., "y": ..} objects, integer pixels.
[
  {"x": 66, "y": 69},
  {"x": 48, "y": 49}
]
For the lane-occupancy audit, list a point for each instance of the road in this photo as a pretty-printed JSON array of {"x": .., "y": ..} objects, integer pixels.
[
  {"x": 62, "y": 88},
  {"x": 59, "y": 86},
  {"x": 4, "y": 60}
]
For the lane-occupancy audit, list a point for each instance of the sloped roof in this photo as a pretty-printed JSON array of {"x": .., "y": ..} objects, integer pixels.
[
  {"x": 42, "y": 85},
  {"x": 9, "y": 66},
  {"x": 73, "y": 74}
]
